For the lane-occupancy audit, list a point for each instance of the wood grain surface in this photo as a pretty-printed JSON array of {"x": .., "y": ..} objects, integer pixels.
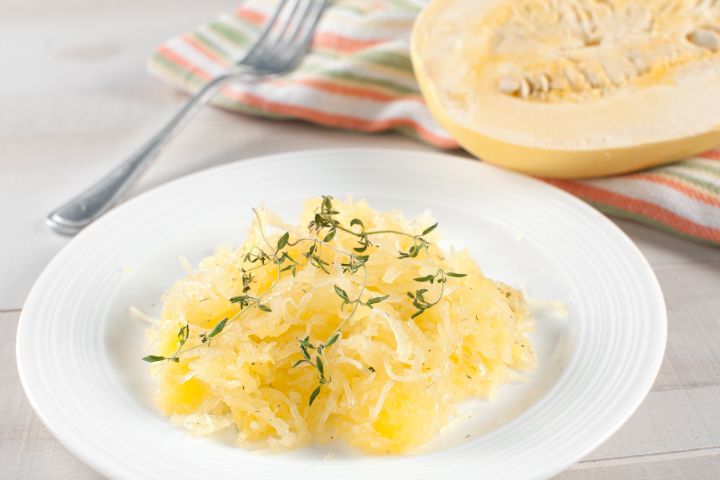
[{"x": 75, "y": 100}]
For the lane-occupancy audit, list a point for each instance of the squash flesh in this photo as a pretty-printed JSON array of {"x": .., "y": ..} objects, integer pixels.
[
  {"x": 393, "y": 380},
  {"x": 517, "y": 85}
]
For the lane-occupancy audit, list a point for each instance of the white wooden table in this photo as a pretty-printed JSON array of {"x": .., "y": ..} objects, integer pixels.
[{"x": 74, "y": 99}]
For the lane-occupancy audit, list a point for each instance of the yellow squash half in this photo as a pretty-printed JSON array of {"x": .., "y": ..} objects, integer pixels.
[{"x": 573, "y": 88}]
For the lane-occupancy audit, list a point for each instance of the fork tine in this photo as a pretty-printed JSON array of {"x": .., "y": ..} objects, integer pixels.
[
  {"x": 302, "y": 37},
  {"x": 294, "y": 24},
  {"x": 285, "y": 37},
  {"x": 262, "y": 37},
  {"x": 267, "y": 51}
]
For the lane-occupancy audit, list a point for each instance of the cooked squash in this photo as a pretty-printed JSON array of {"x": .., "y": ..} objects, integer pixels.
[
  {"x": 573, "y": 88},
  {"x": 394, "y": 374}
]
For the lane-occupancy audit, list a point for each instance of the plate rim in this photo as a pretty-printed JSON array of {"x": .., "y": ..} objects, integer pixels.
[{"x": 106, "y": 469}]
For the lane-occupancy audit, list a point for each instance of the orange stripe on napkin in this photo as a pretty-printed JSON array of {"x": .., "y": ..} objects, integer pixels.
[
  {"x": 313, "y": 115},
  {"x": 331, "y": 41},
  {"x": 680, "y": 187},
  {"x": 640, "y": 207},
  {"x": 250, "y": 15},
  {"x": 338, "y": 121},
  {"x": 711, "y": 155}
]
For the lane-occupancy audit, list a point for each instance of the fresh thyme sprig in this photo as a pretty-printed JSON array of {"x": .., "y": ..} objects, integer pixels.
[
  {"x": 317, "y": 364},
  {"x": 325, "y": 225},
  {"x": 205, "y": 337},
  {"x": 367, "y": 303},
  {"x": 255, "y": 255},
  {"x": 325, "y": 221},
  {"x": 246, "y": 300},
  {"x": 182, "y": 335},
  {"x": 418, "y": 298}
]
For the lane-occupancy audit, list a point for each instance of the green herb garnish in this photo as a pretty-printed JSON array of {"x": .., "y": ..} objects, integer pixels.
[{"x": 323, "y": 229}]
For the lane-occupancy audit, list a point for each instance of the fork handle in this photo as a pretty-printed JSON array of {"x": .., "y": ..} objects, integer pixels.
[{"x": 80, "y": 211}]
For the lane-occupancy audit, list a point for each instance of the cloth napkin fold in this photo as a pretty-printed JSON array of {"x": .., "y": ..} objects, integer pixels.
[{"x": 359, "y": 76}]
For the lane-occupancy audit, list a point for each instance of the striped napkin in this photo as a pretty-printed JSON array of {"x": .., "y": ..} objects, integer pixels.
[{"x": 359, "y": 76}]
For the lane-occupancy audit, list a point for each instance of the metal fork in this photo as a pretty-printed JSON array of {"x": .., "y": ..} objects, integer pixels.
[{"x": 283, "y": 41}]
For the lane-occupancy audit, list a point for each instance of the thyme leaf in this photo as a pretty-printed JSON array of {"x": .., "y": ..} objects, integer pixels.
[
  {"x": 324, "y": 228},
  {"x": 154, "y": 358}
]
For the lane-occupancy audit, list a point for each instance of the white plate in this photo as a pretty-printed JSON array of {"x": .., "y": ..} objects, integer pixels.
[{"x": 79, "y": 351}]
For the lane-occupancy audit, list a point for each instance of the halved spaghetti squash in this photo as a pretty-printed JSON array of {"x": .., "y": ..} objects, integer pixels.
[{"x": 573, "y": 88}]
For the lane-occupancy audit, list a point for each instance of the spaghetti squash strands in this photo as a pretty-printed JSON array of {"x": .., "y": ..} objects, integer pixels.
[{"x": 321, "y": 331}]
